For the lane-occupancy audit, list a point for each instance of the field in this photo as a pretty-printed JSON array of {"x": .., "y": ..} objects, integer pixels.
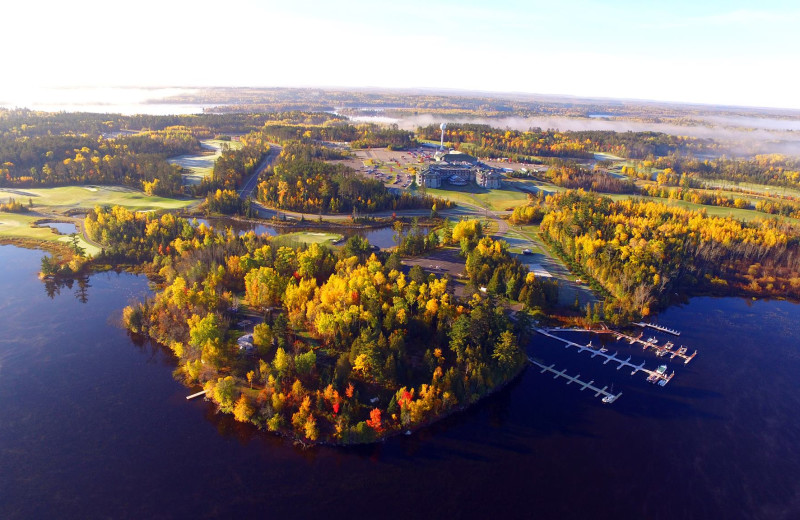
[
  {"x": 19, "y": 226},
  {"x": 202, "y": 164},
  {"x": 66, "y": 198}
]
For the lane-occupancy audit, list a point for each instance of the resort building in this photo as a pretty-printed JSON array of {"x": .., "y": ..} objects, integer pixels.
[{"x": 458, "y": 169}]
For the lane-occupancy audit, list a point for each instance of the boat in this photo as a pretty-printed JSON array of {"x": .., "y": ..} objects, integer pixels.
[
  {"x": 610, "y": 398},
  {"x": 666, "y": 380},
  {"x": 652, "y": 340},
  {"x": 658, "y": 374}
]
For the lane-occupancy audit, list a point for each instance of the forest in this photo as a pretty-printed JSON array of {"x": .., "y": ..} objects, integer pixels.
[
  {"x": 130, "y": 160},
  {"x": 642, "y": 252},
  {"x": 347, "y": 348},
  {"x": 772, "y": 169},
  {"x": 486, "y": 141}
]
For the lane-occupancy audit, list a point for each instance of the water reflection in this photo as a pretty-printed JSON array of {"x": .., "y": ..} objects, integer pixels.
[{"x": 53, "y": 287}]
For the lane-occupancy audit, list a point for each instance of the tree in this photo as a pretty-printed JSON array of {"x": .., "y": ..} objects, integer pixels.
[
  {"x": 243, "y": 410},
  {"x": 264, "y": 287},
  {"x": 222, "y": 392},
  {"x": 374, "y": 421},
  {"x": 506, "y": 352},
  {"x": 282, "y": 362}
]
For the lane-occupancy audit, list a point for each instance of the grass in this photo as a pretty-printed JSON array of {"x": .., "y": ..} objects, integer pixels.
[
  {"x": 496, "y": 200},
  {"x": 201, "y": 165},
  {"x": 305, "y": 237},
  {"x": 19, "y": 226},
  {"x": 760, "y": 188},
  {"x": 66, "y": 198}
]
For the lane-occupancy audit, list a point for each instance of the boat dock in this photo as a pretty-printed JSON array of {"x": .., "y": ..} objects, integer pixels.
[
  {"x": 608, "y": 397},
  {"x": 658, "y": 327},
  {"x": 660, "y": 350},
  {"x": 609, "y": 357}
]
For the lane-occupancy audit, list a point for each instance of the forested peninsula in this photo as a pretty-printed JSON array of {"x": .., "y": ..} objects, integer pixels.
[{"x": 347, "y": 347}]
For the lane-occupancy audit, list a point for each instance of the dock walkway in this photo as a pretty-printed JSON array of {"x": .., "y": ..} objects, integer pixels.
[
  {"x": 659, "y": 349},
  {"x": 658, "y": 327},
  {"x": 609, "y": 357},
  {"x": 608, "y": 397}
]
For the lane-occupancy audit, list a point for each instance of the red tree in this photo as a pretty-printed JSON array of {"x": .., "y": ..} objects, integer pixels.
[{"x": 374, "y": 421}]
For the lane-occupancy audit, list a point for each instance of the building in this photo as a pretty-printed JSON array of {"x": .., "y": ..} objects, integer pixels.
[
  {"x": 455, "y": 157},
  {"x": 458, "y": 169},
  {"x": 489, "y": 179},
  {"x": 246, "y": 343}
]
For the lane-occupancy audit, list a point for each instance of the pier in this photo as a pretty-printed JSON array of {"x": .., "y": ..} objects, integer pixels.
[
  {"x": 651, "y": 343},
  {"x": 608, "y": 397},
  {"x": 198, "y": 394},
  {"x": 652, "y": 374},
  {"x": 658, "y": 327}
]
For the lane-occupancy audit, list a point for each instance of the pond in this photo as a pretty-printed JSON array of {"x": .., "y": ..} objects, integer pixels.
[{"x": 63, "y": 228}]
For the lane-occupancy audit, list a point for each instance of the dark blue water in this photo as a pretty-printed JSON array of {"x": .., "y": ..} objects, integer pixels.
[{"x": 94, "y": 426}]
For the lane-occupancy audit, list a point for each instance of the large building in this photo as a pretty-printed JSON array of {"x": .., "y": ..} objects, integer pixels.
[{"x": 458, "y": 169}]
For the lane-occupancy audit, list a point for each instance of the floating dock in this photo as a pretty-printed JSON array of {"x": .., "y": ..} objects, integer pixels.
[
  {"x": 609, "y": 357},
  {"x": 608, "y": 397},
  {"x": 658, "y": 327}
]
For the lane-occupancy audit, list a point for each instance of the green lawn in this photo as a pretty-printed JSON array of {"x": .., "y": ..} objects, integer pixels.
[
  {"x": 496, "y": 200},
  {"x": 201, "y": 165},
  {"x": 65, "y": 198},
  {"x": 15, "y": 225}
]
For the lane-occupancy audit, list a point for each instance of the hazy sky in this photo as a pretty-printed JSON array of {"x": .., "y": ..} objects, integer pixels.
[{"x": 721, "y": 52}]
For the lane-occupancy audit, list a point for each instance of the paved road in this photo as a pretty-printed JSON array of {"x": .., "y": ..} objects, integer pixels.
[{"x": 251, "y": 182}]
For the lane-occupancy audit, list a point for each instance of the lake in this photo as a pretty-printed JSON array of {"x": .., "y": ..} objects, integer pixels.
[{"x": 93, "y": 425}]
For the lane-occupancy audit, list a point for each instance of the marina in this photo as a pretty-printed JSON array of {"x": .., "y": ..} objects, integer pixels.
[
  {"x": 608, "y": 397},
  {"x": 652, "y": 342},
  {"x": 610, "y": 357}
]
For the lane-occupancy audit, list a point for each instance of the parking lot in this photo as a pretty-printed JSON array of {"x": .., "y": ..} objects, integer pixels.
[{"x": 394, "y": 169}]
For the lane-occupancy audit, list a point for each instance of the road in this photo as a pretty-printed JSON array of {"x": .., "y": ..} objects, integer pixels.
[{"x": 251, "y": 182}]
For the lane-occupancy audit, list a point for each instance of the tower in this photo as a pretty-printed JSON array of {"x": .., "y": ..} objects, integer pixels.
[{"x": 441, "y": 145}]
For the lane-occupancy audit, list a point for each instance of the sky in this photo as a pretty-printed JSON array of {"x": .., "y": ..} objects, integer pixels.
[{"x": 713, "y": 52}]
